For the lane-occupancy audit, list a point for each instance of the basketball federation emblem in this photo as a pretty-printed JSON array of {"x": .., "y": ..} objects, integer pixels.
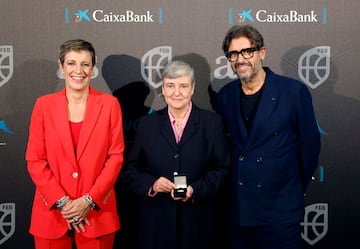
[
  {"x": 7, "y": 221},
  {"x": 6, "y": 64},
  {"x": 314, "y": 66},
  {"x": 315, "y": 224},
  {"x": 153, "y": 62}
]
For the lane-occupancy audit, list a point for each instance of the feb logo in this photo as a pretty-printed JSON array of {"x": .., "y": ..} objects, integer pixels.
[
  {"x": 6, "y": 64},
  {"x": 315, "y": 225},
  {"x": 7, "y": 221},
  {"x": 153, "y": 62},
  {"x": 314, "y": 66}
]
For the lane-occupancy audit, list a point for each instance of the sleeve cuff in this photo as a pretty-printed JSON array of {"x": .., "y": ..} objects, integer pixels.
[{"x": 151, "y": 192}]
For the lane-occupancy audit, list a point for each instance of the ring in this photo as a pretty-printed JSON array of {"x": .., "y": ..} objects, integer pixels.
[{"x": 75, "y": 219}]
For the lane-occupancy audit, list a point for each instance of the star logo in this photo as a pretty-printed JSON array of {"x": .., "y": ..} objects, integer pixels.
[
  {"x": 82, "y": 14},
  {"x": 245, "y": 15}
]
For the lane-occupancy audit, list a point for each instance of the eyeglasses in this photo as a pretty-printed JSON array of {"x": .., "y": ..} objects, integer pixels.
[{"x": 246, "y": 53}]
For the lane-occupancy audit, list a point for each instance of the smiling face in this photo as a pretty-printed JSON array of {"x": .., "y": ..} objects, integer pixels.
[
  {"x": 77, "y": 69},
  {"x": 246, "y": 69},
  {"x": 177, "y": 93}
]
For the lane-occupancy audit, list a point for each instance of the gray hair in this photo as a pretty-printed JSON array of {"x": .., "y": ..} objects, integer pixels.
[{"x": 176, "y": 69}]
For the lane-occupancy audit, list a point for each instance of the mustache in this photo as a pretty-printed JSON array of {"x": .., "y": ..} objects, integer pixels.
[{"x": 237, "y": 64}]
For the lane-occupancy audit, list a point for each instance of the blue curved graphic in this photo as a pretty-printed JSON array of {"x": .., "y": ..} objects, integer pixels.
[
  {"x": 322, "y": 132},
  {"x": 4, "y": 127}
]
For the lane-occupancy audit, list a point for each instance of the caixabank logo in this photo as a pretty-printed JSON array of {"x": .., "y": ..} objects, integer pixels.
[
  {"x": 112, "y": 16},
  {"x": 247, "y": 16}
]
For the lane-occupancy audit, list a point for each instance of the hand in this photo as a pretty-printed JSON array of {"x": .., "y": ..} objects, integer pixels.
[
  {"x": 75, "y": 212},
  {"x": 189, "y": 194},
  {"x": 80, "y": 225},
  {"x": 163, "y": 185}
]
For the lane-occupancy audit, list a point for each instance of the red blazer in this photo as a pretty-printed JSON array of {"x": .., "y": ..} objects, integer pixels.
[{"x": 57, "y": 171}]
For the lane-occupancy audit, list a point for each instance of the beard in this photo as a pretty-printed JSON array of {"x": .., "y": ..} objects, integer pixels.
[{"x": 247, "y": 77}]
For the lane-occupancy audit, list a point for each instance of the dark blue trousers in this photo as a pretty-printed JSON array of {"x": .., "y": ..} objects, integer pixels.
[{"x": 284, "y": 236}]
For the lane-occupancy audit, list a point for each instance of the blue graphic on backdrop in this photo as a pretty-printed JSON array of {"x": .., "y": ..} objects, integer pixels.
[
  {"x": 245, "y": 15},
  {"x": 322, "y": 132},
  {"x": 79, "y": 16},
  {"x": 4, "y": 127},
  {"x": 82, "y": 14}
]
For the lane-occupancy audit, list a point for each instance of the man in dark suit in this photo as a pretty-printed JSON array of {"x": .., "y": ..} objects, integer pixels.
[
  {"x": 181, "y": 140},
  {"x": 275, "y": 146}
]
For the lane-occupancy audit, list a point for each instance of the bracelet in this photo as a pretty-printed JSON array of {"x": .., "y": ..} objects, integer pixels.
[
  {"x": 89, "y": 200},
  {"x": 61, "y": 202}
]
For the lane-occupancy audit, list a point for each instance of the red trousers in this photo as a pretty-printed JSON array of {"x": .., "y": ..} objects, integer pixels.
[{"x": 82, "y": 242}]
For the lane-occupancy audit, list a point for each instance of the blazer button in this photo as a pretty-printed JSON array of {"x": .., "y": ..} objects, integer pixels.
[
  {"x": 240, "y": 182},
  {"x": 241, "y": 158},
  {"x": 177, "y": 156},
  {"x": 259, "y": 159},
  {"x": 75, "y": 175},
  {"x": 259, "y": 185}
]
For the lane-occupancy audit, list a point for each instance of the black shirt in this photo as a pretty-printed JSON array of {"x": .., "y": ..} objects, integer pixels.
[{"x": 248, "y": 107}]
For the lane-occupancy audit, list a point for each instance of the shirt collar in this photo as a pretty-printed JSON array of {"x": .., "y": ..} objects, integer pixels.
[{"x": 186, "y": 117}]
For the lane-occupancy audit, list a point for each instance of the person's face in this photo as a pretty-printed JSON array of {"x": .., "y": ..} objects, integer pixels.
[
  {"x": 246, "y": 69},
  {"x": 177, "y": 92},
  {"x": 77, "y": 70}
]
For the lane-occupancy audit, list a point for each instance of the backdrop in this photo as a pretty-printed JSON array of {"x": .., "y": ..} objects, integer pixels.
[{"x": 315, "y": 41}]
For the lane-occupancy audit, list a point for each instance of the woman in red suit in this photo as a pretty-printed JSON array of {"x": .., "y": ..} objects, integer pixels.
[{"x": 74, "y": 155}]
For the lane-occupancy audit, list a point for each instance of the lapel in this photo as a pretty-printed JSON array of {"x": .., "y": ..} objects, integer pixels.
[
  {"x": 190, "y": 128},
  {"x": 232, "y": 105},
  {"x": 266, "y": 106},
  {"x": 166, "y": 128},
  {"x": 92, "y": 114},
  {"x": 191, "y": 125},
  {"x": 59, "y": 115}
]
